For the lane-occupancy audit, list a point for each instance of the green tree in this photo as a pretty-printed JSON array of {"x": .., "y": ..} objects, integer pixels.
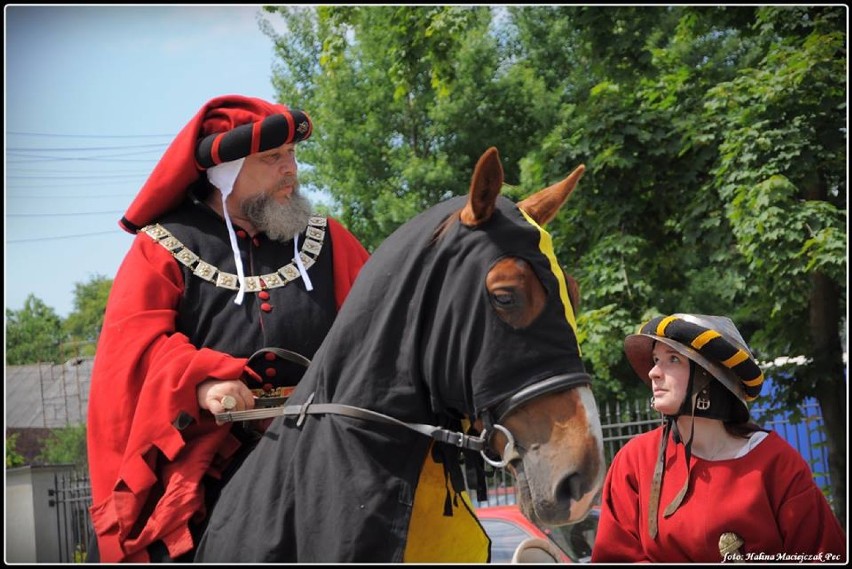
[
  {"x": 634, "y": 231},
  {"x": 781, "y": 126},
  {"x": 715, "y": 140},
  {"x": 33, "y": 334},
  {"x": 13, "y": 457},
  {"x": 65, "y": 446},
  {"x": 404, "y": 99},
  {"x": 83, "y": 325}
]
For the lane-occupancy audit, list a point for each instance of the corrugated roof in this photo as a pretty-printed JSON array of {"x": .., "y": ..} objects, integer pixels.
[{"x": 48, "y": 395}]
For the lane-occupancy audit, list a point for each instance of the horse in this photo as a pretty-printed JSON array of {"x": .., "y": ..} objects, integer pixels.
[{"x": 456, "y": 346}]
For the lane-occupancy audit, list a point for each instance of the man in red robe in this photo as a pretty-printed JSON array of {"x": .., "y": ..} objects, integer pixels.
[{"x": 229, "y": 281}]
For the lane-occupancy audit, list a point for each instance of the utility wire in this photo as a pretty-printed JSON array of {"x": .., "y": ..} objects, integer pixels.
[
  {"x": 95, "y": 158},
  {"x": 74, "y": 197},
  {"x": 60, "y": 237},
  {"x": 61, "y": 158},
  {"x": 83, "y": 148},
  {"x": 102, "y": 176},
  {"x": 66, "y": 135},
  {"x": 63, "y": 214},
  {"x": 66, "y": 177},
  {"x": 44, "y": 170},
  {"x": 17, "y": 155}
]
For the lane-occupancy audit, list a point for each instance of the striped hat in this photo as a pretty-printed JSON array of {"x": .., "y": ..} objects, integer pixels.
[
  {"x": 225, "y": 129},
  {"x": 713, "y": 342},
  {"x": 235, "y": 133}
]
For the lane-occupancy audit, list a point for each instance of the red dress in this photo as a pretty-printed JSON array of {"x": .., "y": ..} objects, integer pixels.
[
  {"x": 149, "y": 444},
  {"x": 768, "y": 497}
]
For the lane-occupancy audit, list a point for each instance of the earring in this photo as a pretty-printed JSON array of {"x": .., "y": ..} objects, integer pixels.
[{"x": 703, "y": 401}]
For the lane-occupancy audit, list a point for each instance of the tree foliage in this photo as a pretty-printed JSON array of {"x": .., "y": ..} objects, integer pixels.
[
  {"x": 714, "y": 139},
  {"x": 36, "y": 333},
  {"x": 65, "y": 446},
  {"x": 403, "y": 99},
  {"x": 33, "y": 334},
  {"x": 83, "y": 325},
  {"x": 13, "y": 457}
]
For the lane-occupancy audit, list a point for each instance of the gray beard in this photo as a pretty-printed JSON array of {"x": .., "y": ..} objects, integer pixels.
[{"x": 280, "y": 221}]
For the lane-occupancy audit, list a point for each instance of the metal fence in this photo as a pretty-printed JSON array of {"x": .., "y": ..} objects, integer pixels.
[
  {"x": 71, "y": 495},
  {"x": 620, "y": 422}
]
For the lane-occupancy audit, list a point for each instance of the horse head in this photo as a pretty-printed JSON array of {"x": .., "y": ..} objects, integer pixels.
[{"x": 547, "y": 433}]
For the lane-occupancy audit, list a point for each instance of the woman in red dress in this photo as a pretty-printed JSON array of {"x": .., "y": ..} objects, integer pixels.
[{"x": 709, "y": 485}]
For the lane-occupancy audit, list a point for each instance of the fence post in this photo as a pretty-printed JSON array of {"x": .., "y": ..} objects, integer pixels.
[{"x": 31, "y": 535}]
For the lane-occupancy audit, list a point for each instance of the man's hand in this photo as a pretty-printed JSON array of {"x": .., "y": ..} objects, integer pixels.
[{"x": 219, "y": 396}]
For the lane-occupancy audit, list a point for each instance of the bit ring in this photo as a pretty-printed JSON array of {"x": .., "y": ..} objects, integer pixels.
[{"x": 229, "y": 402}]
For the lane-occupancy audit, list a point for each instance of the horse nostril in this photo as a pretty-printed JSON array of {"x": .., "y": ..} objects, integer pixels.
[{"x": 570, "y": 487}]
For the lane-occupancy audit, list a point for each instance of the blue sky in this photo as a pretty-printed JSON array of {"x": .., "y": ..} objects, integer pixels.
[{"x": 93, "y": 95}]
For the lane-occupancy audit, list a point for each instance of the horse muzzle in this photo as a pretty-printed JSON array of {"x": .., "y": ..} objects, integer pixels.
[
  {"x": 557, "y": 497},
  {"x": 559, "y": 468}
]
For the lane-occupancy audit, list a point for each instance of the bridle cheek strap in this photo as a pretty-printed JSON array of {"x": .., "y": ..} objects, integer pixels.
[
  {"x": 491, "y": 418},
  {"x": 549, "y": 385}
]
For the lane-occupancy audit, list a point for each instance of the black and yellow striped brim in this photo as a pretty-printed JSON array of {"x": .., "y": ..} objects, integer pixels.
[{"x": 713, "y": 342}]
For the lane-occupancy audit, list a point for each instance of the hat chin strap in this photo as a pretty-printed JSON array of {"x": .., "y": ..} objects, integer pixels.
[
  {"x": 223, "y": 176},
  {"x": 671, "y": 428}
]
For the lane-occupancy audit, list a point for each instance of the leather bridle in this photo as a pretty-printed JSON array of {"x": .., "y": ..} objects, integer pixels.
[{"x": 491, "y": 417}]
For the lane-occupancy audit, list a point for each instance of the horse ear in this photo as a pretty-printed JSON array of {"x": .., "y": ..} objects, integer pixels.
[
  {"x": 543, "y": 205},
  {"x": 484, "y": 189}
]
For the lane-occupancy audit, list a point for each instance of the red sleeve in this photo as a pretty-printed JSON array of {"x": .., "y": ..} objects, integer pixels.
[
  {"x": 617, "y": 538},
  {"x": 805, "y": 519},
  {"x": 348, "y": 258},
  {"x": 144, "y": 423}
]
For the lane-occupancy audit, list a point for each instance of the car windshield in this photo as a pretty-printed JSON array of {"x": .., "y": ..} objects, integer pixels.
[
  {"x": 577, "y": 539},
  {"x": 505, "y": 538}
]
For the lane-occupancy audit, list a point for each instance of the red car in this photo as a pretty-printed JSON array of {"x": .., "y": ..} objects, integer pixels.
[{"x": 508, "y": 527}]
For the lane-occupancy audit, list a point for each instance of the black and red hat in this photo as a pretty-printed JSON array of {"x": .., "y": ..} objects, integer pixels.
[{"x": 226, "y": 128}]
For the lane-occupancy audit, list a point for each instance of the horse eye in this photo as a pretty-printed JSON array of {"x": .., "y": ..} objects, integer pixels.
[
  {"x": 515, "y": 292},
  {"x": 503, "y": 299}
]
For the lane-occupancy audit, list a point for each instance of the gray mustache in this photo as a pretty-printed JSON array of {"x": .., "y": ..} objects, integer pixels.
[{"x": 288, "y": 181}]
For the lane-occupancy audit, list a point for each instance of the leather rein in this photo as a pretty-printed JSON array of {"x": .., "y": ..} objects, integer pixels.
[{"x": 491, "y": 418}]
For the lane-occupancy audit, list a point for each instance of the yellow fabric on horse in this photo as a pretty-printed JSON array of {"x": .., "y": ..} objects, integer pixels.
[{"x": 436, "y": 538}]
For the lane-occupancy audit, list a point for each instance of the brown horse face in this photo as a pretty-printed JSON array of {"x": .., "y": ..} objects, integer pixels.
[
  {"x": 556, "y": 449},
  {"x": 557, "y": 458}
]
